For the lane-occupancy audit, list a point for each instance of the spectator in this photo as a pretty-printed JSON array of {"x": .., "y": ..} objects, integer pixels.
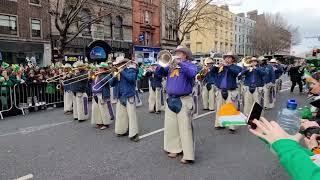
[
  {"x": 296, "y": 74},
  {"x": 295, "y": 159}
]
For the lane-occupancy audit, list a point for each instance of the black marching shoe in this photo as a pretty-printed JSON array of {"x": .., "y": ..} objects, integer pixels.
[
  {"x": 135, "y": 138},
  {"x": 80, "y": 121},
  {"x": 232, "y": 131},
  {"x": 121, "y": 135},
  {"x": 219, "y": 128}
]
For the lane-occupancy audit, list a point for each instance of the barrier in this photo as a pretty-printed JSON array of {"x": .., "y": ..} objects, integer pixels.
[
  {"x": 6, "y": 103},
  {"x": 36, "y": 96}
]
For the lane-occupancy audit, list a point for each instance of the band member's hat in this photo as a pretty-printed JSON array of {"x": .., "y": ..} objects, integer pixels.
[
  {"x": 254, "y": 59},
  {"x": 273, "y": 61},
  {"x": 67, "y": 65},
  {"x": 78, "y": 64},
  {"x": 185, "y": 51},
  {"x": 120, "y": 60},
  {"x": 208, "y": 60},
  {"x": 262, "y": 58},
  {"x": 229, "y": 54}
]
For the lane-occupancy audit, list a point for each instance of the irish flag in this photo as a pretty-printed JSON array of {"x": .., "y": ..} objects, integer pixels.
[{"x": 230, "y": 116}]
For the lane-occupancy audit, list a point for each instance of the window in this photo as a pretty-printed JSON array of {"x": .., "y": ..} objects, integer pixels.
[
  {"x": 187, "y": 36},
  {"x": 107, "y": 22},
  {"x": 199, "y": 47},
  {"x": 118, "y": 33},
  {"x": 8, "y": 25},
  {"x": 37, "y": 2},
  {"x": 147, "y": 17},
  {"x": 35, "y": 28},
  {"x": 85, "y": 22},
  {"x": 147, "y": 38},
  {"x": 188, "y": 46}
]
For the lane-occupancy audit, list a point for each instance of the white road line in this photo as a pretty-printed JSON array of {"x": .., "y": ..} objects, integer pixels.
[
  {"x": 26, "y": 177},
  {"x": 162, "y": 129},
  {"x": 284, "y": 90},
  {"x": 34, "y": 128}
]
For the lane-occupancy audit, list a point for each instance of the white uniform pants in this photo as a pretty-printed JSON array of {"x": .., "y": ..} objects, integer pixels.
[
  {"x": 209, "y": 97},
  {"x": 80, "y": 106},
  {"x": 67, "y": 100},
  {"x": 100, "y": 111},
  {"x": 178, "y": 130},
  {"x": 155, "y": 99},
  {"x": 126, "y": 118},
  {"x": 232, "y": 98},
  {"x": 268, "y": 103},
  {"x": 251, "y": 98}
]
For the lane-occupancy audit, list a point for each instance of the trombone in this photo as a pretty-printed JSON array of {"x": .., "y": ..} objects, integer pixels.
[
  {"x": 54, "y": 78},
  {"x": 118, "y": 70},
  {"x": 75, "y": 79}
]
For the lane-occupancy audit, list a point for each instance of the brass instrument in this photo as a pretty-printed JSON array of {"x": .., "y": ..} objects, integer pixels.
[
  {"x": 165, "y": 59},
  {"x": 116, "y": 71},
  {"x": 203, "y": 73},
  {"x": 54, "y": 78}
]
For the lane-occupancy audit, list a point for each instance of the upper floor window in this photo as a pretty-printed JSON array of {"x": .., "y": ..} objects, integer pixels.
[
  {"x": 107, "y": 22},
  {"x": 8, "y": 25},
  {"x": 35, "y": 28},
  {"x": 118, "y": 33},
  {"x": 37, "y": 2},
  {"x": 147, "y": 17},
  {"x": 84, "y": 23},
  {"x": 187, "y": 36}
]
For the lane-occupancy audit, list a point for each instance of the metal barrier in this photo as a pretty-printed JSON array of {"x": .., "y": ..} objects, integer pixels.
[
  {"x": 5, "y": 99},
  {"x": 36, "y": 96}
]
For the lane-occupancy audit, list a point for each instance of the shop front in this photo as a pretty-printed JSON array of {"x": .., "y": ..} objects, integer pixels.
[
  {"x": 17, "y": 52},
  {"x": 146, "y": 55}
]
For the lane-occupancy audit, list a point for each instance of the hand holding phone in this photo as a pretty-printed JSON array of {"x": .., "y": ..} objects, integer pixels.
[{"x": 255, "y": 113}]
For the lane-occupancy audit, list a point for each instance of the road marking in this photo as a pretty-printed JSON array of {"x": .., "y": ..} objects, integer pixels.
[
  {"x": 284, "y": 90},
  {"x": 162, "y": 129},
  {"x": 26, "y": 177},
  {"x": 34, "y": 128}
]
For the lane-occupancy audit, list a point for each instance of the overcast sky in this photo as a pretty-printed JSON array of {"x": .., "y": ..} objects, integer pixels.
[{"x": 302, "y": 13}]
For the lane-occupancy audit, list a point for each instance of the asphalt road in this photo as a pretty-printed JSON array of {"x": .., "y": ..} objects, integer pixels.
[{"x": 51, "y": 146}]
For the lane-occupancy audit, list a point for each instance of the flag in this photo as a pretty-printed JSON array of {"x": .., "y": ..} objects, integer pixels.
[{"x": 230, "y": 116}]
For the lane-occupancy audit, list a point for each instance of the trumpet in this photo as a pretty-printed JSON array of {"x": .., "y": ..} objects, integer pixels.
[
  {"x": 165, "y": 59},
  {"x": 104, "y": 80},
  {"x": 202, "y": 74}
]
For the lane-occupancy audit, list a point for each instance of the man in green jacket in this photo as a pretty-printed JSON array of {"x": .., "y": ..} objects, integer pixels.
[{"x": 293, "y": 157}]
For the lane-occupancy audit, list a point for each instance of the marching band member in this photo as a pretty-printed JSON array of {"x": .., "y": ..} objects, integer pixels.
[
  {"x": 112, "y": 98},
  {"x": 278, "y": 72},
  {"x": 155, "y": 85},
  {"x": 226, "y": 82},
  {"x": 253, "y": 84},
  {"x": 178, "y": 128},
  {"x": 101, "y": 95},
  {"x": 208, "y": 89},
  {"x": 125, "y": 88},
  {"x": 269, "y": 80},
  {"x": 68, "y": 95},
  {"x": 80, "y": 97}
]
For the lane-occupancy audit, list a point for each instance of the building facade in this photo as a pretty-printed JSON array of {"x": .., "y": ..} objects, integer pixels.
[
  {"x": 244, "y": 29},
  {"x": 217, "y": 34},
  {"x": 114, "y": 28},
  {"x": 25, "y": 31},
  {"x": 169, "y": 30},
  {"x": 146, "y": 29}
]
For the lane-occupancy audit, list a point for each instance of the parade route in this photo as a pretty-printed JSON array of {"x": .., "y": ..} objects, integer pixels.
[{"x": 50, "y": 146}]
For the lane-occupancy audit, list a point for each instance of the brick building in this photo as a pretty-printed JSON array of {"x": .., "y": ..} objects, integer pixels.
[
  {"x": 146, "y": 29},
  {"x": 25, "y": 31},
  {"x": 115, "y": 29}
]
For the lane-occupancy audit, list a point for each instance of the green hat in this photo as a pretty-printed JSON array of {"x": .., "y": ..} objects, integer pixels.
[
  {"x": 5, "y": 65},
  {"x": 15, "y": 67},
  {"x": 103, "y": 65},
  {"x": 312, "y": 65}
]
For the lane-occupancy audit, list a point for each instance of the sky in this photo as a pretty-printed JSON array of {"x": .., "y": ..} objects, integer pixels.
[{"x": 302, "y": 13}]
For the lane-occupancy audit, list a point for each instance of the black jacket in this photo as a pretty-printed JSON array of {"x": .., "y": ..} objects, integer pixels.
[{"x": 296, "y": 73}]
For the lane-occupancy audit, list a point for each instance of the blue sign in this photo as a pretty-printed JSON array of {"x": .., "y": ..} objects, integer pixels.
[
  {"x": 98, "y": 53},
  {"x": 141, "y": 37},
  {"x": 146, "y": 49}
]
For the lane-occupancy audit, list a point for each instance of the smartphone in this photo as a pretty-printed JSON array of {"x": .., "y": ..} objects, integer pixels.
[{"x": 255, "y": 113}]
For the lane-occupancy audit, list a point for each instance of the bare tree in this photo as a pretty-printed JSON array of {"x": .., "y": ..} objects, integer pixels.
[
  {"x": 71, "y": 19},
  {"x": 274, "y": 34},
  {"x": 190, "y": 15}
]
